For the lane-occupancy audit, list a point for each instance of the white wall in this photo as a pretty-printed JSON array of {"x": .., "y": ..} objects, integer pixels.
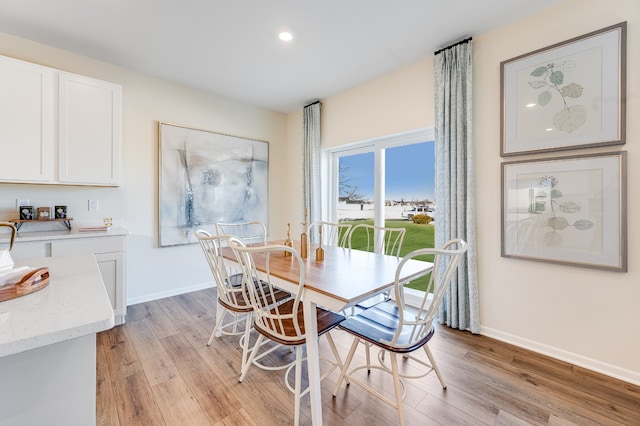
[
  {"x": 151, "y": 272},
  {"x": 588, "y": 317}
]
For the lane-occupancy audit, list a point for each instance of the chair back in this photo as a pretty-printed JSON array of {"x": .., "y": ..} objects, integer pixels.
[
  {"x": 333, "y": 234},
  {"x": 247, "y": 232},
  {"x": 378, "y": 239},
  {"x": 230, "y": 291},
  {"x": 282, "y": 322},
  {"x": 414, "y": 327}
]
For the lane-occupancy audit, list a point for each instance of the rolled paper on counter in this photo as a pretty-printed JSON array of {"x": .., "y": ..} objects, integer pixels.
[{"x": 13, "y": 276}]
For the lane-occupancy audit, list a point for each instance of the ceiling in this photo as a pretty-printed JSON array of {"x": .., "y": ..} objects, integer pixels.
[{"x": 231, "y": 48}]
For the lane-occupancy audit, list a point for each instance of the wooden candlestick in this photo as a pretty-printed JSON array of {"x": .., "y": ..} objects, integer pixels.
[
  {"x": 304, "y": 238},
  {"x": 288, "y": 241},
  {"x": 320, "y": 250}
]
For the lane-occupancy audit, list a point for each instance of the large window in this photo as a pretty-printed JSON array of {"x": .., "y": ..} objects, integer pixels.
[
  {"x": 384, "y": 182},
  {"x": 380, "y": 180}
]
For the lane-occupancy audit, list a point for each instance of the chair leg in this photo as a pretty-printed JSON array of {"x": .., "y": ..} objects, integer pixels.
[
  {"x": 336, "y": 355},
  {"x": 298, "y": 385},
  {"x": 347, "y": 362},
  {"x": 252, "y": 355},
  {"x": 245, "y": 343},
  {"x": 432, "y": 360},
  {"x": 397, "y": 387},
  {"x": 368, "y": 349},
  {"x": 221, "y": 312}
]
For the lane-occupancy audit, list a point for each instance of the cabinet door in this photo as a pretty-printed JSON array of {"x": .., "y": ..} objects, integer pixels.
[
  {"x": 27, "y": 114},
  {"x": 89, "y": 130},
  {"x": 109, "y": 253},
  {"x": 112, "y": 270}
]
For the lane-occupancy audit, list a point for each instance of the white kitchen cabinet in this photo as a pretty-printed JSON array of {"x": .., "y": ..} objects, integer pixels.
[
  {"x": 57, "y": 127},
  {"x": 108, "y": 249},
  {"x": 89, "y": 130},
  {"x": 27, "y": 122}
]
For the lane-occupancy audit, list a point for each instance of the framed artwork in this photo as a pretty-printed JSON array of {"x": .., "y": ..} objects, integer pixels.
[
  {"x": 60, "y": 212},
  {"x": 44, "y": 213},
  {"x": 26, "y": 212},
  {"x": 568, "y": 210},
  {"x": 207, "y": 177},
  {"x": 568, "y": 95}
]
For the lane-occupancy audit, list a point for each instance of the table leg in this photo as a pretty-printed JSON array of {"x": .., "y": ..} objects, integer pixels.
[{"x": 313, "y": 359}]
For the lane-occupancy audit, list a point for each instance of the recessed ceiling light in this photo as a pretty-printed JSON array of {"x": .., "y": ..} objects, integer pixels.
[
  {"x": 530, "y": 105},
  {"x": 285, "y": 36}
]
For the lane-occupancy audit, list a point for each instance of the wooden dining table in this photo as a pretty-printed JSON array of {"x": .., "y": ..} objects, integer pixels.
[{"x": 344, "y": 278}]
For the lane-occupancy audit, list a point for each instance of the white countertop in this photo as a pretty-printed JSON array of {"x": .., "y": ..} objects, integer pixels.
[
  {"x": 74, "y": 304},
  {"x": 61, "y": 234}
]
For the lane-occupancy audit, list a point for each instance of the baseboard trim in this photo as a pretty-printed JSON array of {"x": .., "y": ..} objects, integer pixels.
[
  {"x": 632, "y": 377},
  {"x": 169, "y": 293}
]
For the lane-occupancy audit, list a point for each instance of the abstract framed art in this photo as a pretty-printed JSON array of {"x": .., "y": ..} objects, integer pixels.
[
  {"x": 207, "y": 177},
  {"x": 568, "y": 95},
  {"x": 567, "y": 210}
]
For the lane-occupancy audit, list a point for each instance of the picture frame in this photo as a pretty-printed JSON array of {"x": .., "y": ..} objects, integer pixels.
[
  {"x": 26, "y": 213},
  {"x": 44, "y": 213},
  {"x": 60, "y": 212},
  {"x": 564, "y": 96},
  {"x": 207, "y": 177},
  {"x": 567, "y": 210}
]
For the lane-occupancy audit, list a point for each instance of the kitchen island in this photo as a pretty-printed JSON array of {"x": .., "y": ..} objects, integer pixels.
[{"x": 48, "y": 345}]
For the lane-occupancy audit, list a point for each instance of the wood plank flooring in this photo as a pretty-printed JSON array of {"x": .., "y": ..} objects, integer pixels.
[{"x": 157, "y": 370}]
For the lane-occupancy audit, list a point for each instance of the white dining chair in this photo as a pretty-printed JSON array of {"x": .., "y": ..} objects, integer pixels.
[
  {"x": 398, "y": 329},
  {"x": 282, "y": 323},
  {"x": 379, "y": 239},
  {"x": 232, "y": 296},
  {"x": 248, "y": 232},
  {"x": 333, "y": 233}
]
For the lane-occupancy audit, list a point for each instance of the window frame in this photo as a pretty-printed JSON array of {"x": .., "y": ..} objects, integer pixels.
[
  {"x": 329, "y": 164},
  {"x": 329, "y": 179}
]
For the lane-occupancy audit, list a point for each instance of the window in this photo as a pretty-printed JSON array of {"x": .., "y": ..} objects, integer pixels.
[
  {"x": 384, "y": 181},
  {"x": 379, "y": 179}
]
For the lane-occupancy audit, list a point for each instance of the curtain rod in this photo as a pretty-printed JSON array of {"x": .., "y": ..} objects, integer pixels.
[
  {"x": 313, "y": 103},
  {"x": 466, "y": 40}
]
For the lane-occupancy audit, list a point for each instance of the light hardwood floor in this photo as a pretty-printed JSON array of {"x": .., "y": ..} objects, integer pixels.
[{"x": 157, "y": 370}]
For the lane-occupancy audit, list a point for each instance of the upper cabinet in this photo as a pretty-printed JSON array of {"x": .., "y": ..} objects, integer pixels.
[
  {"x": 89, "y": 130},
  {"x": 57, "y": 127},
  {"x": 27, "y": 121}
]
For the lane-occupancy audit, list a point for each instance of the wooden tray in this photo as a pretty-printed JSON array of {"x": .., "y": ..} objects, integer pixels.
[{"x": 33, "y": 281}]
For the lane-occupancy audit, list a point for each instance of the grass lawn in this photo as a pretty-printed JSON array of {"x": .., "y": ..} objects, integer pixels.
[{"x": 417, "y": 236}]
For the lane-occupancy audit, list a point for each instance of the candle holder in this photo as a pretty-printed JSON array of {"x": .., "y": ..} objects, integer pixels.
[
  {"x": 320, "y": 250},
  {"x": 304, "y": 238},
  {"x": 288, "y": 241}
]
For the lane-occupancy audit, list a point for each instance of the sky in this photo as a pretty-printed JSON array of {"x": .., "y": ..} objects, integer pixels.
[{"x": 409, "y": 172}]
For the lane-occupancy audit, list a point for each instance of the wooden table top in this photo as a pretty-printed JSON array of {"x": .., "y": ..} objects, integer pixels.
[{"x": 345, "y": 275}]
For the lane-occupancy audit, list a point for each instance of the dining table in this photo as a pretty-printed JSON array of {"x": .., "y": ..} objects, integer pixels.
[{"x": 342, "y": 279}]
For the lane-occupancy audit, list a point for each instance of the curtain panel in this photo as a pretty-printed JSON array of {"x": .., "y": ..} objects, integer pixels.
[
  {"x": 311, "y": 162},
  {"x": 455, "y": 179}
]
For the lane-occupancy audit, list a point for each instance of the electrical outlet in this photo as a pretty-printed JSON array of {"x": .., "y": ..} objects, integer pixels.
[
  {"x": 22, "y": 202},
  {"x": 93, "y": 205}
]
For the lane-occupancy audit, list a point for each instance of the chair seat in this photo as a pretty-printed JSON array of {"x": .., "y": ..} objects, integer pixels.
[
  {"x": 327, "y": 320},
  {"x": 244, "y": 305},
  {"x": 378, "y": 324},
  {"x": 235, "y": 280}
]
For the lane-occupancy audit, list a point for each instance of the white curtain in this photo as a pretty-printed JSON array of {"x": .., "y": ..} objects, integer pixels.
[
  {"x": 455, "y": 179},
  {"x": 311, "y": 162}
]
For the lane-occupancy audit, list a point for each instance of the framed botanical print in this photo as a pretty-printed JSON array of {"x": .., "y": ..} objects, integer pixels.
[
  {"x": 567, "y": 210},
  {"x": 568, "y": 95}
]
